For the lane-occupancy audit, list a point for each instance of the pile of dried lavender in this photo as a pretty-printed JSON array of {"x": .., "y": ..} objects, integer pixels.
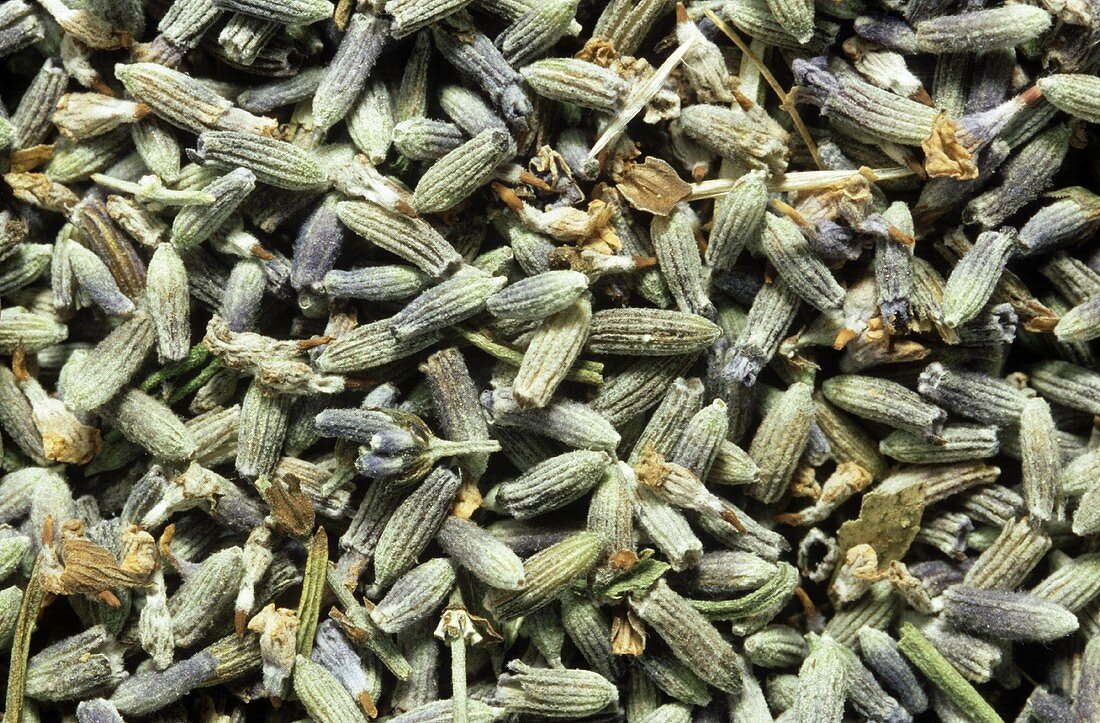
[{"x": 480, "y": 360}]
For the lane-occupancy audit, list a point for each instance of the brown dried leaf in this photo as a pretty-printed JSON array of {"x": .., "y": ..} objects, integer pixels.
[
  {"x": 467, "y": 501},
  {"x": 652, "y": 470},
  {"x": 628, "y": 634},
  {"x": 599, "y": 51},
  {"x": 40, "y": 190},
  {"x": 291, "y": 509},
  {"x": 88, "y": 569},
  {"x": 944, "y": 155},
  {"x": 888, "y": 521},
  {"x": 27, "y": 159},
  {"x": 653, "y": 186}
]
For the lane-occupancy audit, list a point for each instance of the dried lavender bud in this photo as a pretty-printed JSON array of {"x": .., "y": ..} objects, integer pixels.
[
  {"x": 169, "y": 303},
  {"x": 196, "y": 223},
  {"x": 420, "y": 244},
  {"x": 549, "y": 693},
  {"x": 576, "y": 81},
  {"x": 459, "y": 173},
  {"x": 975, "y": 395},
  {"x": 972, "y": 281},
  {"x": 779, "y": 442},
  {"x": 347, "y": 74},
  {"x": 413, "y": 524},
  {"x": 546, "y": 574},
  {"x": 552, "y": 484},
  {"x": 1009, "y": 615},
  {"x": 649, "y": 332},
  {"x": 981, "y": 30},
  {"x": 690, "y": 637},
  {"x": 448, "y": 303},
  {"x": 806, "y": 274},
  {"x": 278, "y": 164}
]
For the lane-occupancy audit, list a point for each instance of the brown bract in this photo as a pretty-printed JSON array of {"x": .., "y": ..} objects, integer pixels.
[
  {"x": 944, "y": 155},
  {"x": 653, "y": 186}
]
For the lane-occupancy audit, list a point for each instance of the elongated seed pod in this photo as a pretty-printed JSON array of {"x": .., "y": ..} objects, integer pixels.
[
  {"x": 151, "y": 691},
  {"x": 1072, "y": 93},
  {"x": 806, "y": 274},
  {"x": 457, "y": 408},
  {"x": 690, "y": 636},
  {"x": 776, "y": 646},
  {"x": 772, "y": 311},
  {"x": 1007, "y": 615},
  {"x": 740, "y": 136},
  {"x": 1087, "y": 702},
  {"x": 552, "y": 484},
  {"x": 264, "y": 415},
  {"x": 185, "y": 102},
  {"x": 555, "y": 693},
  {"x": 413, "y": 525},
  {"x": 539, "y": 296},
  {"x": 425, "y": 139},
  {"x": 649, "y": 332},
  {"x": 639, "y": 386},
  {"x": 110, "y": 364},
  {"x": 375, "y": 283},
  {"x": 796, "y": 17},
  {"x": 680, "y": 403},
  {"x": 410, "y": 16},
  {"x": 278, "y": 164},
  {"x": 610, "y": 512},
  {"x": 822, "y": 683},
  {"x": 31, "y": 119},
  {"x": 1015, "y": 553},
  {"x": 678, "y": 256},
  {"x": 703, "y": 436},
  {"x": 90, "y": 273},
  {"x": 547, "y": 573},
  {"x": 983, "y": 30},
  {"x": 779, "y": 442},
  {"x": 322, "y": 695},
  {"x": 569, "y": 422},
  {"x": 196, "y": 223},
  {"x": 973, "y": 279},
  {"x": 666, "y": 527},
  {"x": 108, "y": 242},
  {"x": 448, "y": 303},
  {"x": 880, "y": 400},
  {"x": 368, "y": 346},
  {"x": 576, "y": 81},
  {"x": 1041, "y": 461},
  {"x": 169, "y": 303},
  {"x": 458, "y": 174},
  {"x": 347, "y": 74},
  {"x": 1081, "y": 323},
  {"x": 590, "y": 632},
  {"x": 755, "y": 18},
  {"x": 415, "y": 595},
  {"x": 201, "y": 603},
  {"x": 468, "y": 110},
  {"x": 880, "y": 652},
  {"x": 1067, "y": 384},
  {"x": 738, "y": 220},
  {"x": 410, "y": 238},
  {"x": 475, "y": 56},
  {"x": 954, "y": 443},
  {"x": 486, "y": 557},
  {"x": 1024, "y": 176},
  {"x": 537, "y": 30},
  {"x": 975, "y": 395},
  {"x": 551, "y": 353}
]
